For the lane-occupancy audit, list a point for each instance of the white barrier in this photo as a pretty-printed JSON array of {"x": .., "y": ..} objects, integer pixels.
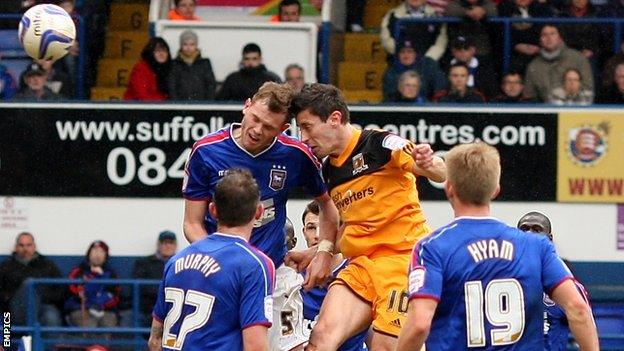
[{"x": 222, "y": 42}]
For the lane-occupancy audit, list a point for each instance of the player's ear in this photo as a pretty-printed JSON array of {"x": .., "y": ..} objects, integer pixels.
[
  {"x": 212, "y": 209},
  {"x": 247, "y": 104},
  {"x": 448, "y": 189},
  {"x": 496, "y": 192},
  {"x": 259, "y": 211},
  {"x": 335, "y": 118}
]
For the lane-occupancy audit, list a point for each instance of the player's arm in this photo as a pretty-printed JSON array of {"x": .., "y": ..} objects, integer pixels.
[
  {"x": 320, "y": 267},
  {"x": 194, "y": 213},
  {"x": 417, "y": 325},
  {"x": 578, "y": 313},
  {"x": 426, "y": 164},
  {"x": 155, "y": 338},
  {"x": 255, "y": 338}
]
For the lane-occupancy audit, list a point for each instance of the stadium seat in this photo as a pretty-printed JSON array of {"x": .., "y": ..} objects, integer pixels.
[
  {"x": 363, "y": 96},
  {"x": 10, "y": 46},
  {"x": 114, "y": 72},
  {"x": 107, "y": 93},
  {"x": 129, "y": 17},
  {"x": 125, "y": 44},
  {"x": 610, "y": 322},
  {"x": 360, "y": 75},
  {"x": 363, "y": 47},
  {"x": 373, "y": 15}
]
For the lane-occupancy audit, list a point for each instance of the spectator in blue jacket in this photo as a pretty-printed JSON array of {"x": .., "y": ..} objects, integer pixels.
[
  {"x": 93, "y": 304},
  {"x": 431, "y": 77},
  {"x": 7, "y": 84}
]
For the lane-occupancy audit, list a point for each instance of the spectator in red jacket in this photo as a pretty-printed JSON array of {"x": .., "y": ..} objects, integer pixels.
[{"x": 149, "y": 76}]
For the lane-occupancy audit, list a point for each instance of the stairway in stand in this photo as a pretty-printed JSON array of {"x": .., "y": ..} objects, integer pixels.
[
  {"x": 361, "y": 72},
  {"x": 126, "y": 36}
]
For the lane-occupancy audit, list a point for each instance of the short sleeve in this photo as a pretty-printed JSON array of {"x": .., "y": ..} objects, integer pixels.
[
  {"x": 311, "y": 175},
  {"x": 196, "y": 184},
  {"x": 256, "y": 301},
  {"x": 160, "y": 308},
  {"x": 554, "y": 271},
  {"x": 425, "y": 273}
]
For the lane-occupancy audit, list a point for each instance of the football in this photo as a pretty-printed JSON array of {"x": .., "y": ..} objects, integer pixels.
[{"x": 46, "y": 32}]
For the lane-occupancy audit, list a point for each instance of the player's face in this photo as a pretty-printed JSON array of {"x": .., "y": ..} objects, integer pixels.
[
  {"x": 289, "y": 13},
  {"x": 25, "y": 247},
  {"x": 97, "y": 256},
  {"x": 318, "y": 135},
  {"x": 310, "y": 229},
  {"x": 260, "y": 126},
  {"x": 167, "y": 248}
]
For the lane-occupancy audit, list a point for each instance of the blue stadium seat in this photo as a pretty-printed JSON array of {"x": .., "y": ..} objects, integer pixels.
[
  {"x": 10, "y": 46},
  {"x": 610, "y": 322}
]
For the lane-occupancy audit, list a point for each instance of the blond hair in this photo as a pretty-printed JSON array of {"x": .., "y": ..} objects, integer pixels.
[
  {"x": 277, "y": 97},
  {"x": 474, "y": 172}
]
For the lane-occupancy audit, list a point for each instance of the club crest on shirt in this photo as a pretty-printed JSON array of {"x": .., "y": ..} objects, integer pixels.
[
  {"x": 278, "y": 178},
  {"x": 358, "y": 164}
]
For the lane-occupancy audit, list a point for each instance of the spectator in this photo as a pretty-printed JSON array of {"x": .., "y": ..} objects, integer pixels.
[
  {"x": 615, "y": 93},
  {"x": 26, "y": 262},
  {"x": 58, "y": 79},
  {"x": 512, "y": 89},
  {"x": 431, "y": 77},
  {"x": 242, "y": 84},
  {"x": 93, "y": 304},
  {"x": 524, "y": 36},
  {"x": 571, "y": 92},
  {"x": 473, "y": 14},
  {"x": 184, "y": 10},
  {"x": 427, "y": 39},
  {"x": 482, "y": 76},
  {"x": 36, "y": 78},
  {"x": 294, "y": 75},
  {"x": 7, "y": 84},
  {"x": 408, "y": 89},
  {"x": 150, "y": 267},
  {"x": 545, "y": 71},
  {"x": 609, "y": 68},
  {"x": 191, "y": 75},
  {"x": 459, "y": 91},
  {"x": 288, "y": 11},
  {"x": 149, "y": 76}
]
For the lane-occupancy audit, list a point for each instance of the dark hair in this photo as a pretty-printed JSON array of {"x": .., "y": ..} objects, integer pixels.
[
  {"x": 459, "y": 64},
  {"x": 321, "y": 100},
  {"x": 177, "y": 2},
  {"x": 236, "y": 198},
  {"x": 311, "y": 207},
  {"x": 160, "y": 69},
  {"x": 252, "y": 47},
  {"x": 285, "y": 3},
  {"x": 539, "y": 218},
  {"x": 563, "y": 77}
]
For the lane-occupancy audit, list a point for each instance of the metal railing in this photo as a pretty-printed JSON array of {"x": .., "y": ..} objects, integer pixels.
[
  {"x": 41, "y": 334},
  {"x": 508, "y": 21},
  {"x": 82, "y": 40}
]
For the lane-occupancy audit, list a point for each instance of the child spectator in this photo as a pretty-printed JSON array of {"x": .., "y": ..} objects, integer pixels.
[
  {"x": 459, "y": 91},
  {"x": 571, "y": 92}
]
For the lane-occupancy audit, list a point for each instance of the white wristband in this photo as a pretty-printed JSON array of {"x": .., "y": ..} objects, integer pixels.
[{"x": 326, "y": 246}]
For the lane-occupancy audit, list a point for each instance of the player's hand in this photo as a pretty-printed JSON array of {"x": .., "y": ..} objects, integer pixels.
[
  {"x": 300, "y": 259},
  {"x": 319, "y": 270},
  {"x": 423, "y": 155}
]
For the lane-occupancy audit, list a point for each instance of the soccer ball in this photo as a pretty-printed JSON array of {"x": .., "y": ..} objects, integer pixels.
[{"x": 46, "y": 32}]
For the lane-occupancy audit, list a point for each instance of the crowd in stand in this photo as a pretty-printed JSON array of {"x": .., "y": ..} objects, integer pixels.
[
  {"x": 460, "y": 62},
  {"x": 80, "y": 305}
]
